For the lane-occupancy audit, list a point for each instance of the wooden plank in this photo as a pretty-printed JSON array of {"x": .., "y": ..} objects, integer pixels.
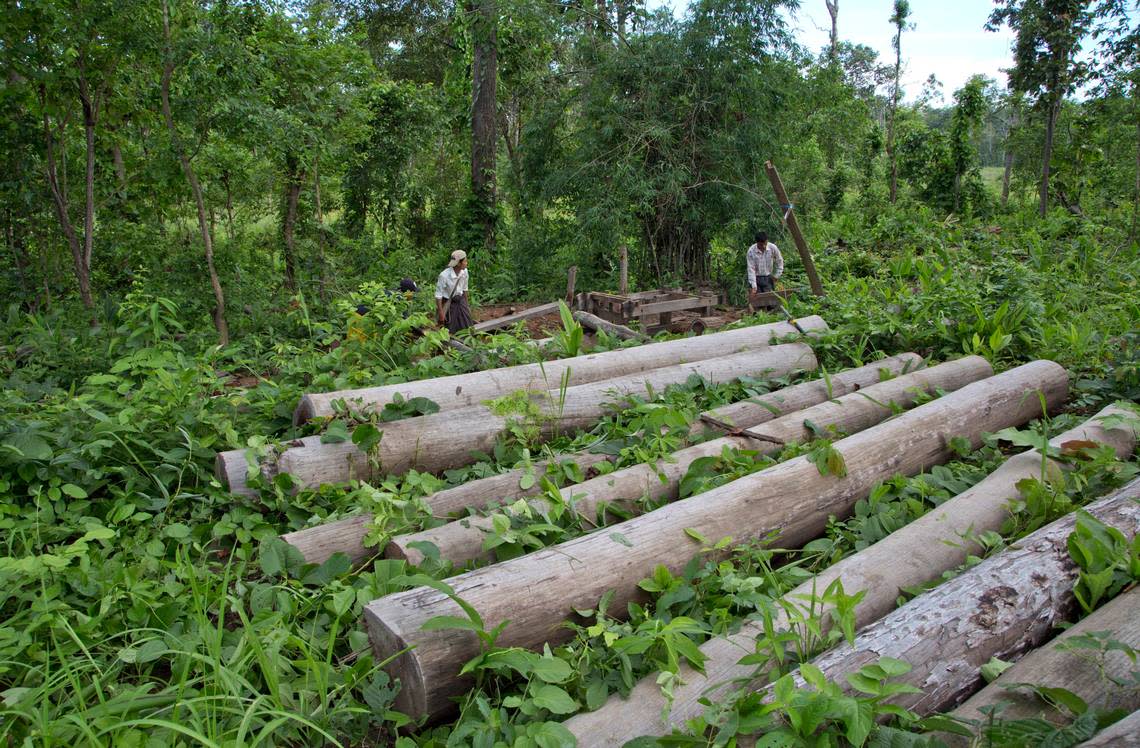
[
  {"x": 510, "y": 319},
  {"x": 674, "y": 305},
  {"x": 623, "y": 278}
]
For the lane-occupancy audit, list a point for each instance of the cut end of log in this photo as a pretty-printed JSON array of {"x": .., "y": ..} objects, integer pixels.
[
  {"x": 305, "y": 412},
  {"x": 412, "y": 696},
  {"x": 232, "y": 470}
]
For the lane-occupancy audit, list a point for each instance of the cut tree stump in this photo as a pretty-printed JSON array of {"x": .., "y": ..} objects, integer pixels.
[
  {"x": 318, "y": 543},
  {"x": 1078, "y": 672},
  {"x": 936, "y": 542},
  {"x": 462, "y": 540},
  {"x": 453, "y": 438},
  {"x": 1003, "y": 607},
  {"x": 532, "y": 595},
  {"x": 463, "y": 390}
]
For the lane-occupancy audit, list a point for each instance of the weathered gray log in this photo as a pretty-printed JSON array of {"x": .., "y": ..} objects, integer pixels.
[
  {"x": 1001, "y": 608},
  {"x": 347, "y": 535},
  {"x": 1077, "y": 672},
  {"x": 1122, "y": 734},
  {"x": 510, "y": 319},
  {"x": 597, "y": 324},
  {"x": 532, "y": 596},
  {"x": 452, "y": 438},
  {"x": 462, "y": 540},
  {"x": 463, "y": 390},
  {"x": 921, "y": 551},
  {"x": 703, "y": 324}
]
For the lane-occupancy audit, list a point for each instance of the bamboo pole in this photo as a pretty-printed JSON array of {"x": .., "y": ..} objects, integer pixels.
[
  {"x": 789, "y": 217},
  {"x": 463, "y": 390},
  {"x": 936, "y": 542},
  {"x": 452, "y": 438},
  {"x": 532, "y": 595},
  {"x": 318, "y": 543},
  {"x": 463, "y": 540}
]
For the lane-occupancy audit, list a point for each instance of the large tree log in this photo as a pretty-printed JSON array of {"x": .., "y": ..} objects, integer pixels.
[
  {"x": 921, "y": 551},
  {"x": 597, "y": 324},
  {"x": 1122, "y": 734},
  {"x": 1079, "y": 673},
  {"x": 452, "y": 438},
  {"x": 1001, "y": 608},
  {"x": 318, "y": 543},
  {"x": 532, "y": 595},
  {"x": 462, "y": 540},
  {"x": 463, "y": 390}
]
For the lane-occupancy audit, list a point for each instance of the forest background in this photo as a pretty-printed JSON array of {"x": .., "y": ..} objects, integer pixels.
[{"x": 194, "y": 196}]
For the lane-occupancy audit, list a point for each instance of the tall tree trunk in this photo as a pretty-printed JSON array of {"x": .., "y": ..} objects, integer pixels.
[
  {"x": 188, "y": 169},
  {"x": 1008, "y": 171},
  {"x": 1136, "y": 186},
  {"x": 289, "y": 224},
  {"x": 89, "y": 118},
  {"x": 319, "y": 215},
  {"x": 1047, "y": 153},
  {"x": 622, "y": 9},
  {"x": 229, "y": 204},
  {"x": 833, "y": 11},
  {"x": 19, "y": 252},
  {"x": 59, "y": 201},
  {"x": 893, "y": 116},
  {"x": 484, "y": 70}
]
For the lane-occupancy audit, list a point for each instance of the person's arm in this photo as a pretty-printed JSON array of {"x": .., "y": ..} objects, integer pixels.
[
  {"x": 778, "y": 270},
  {"x": 749, "y": 260}
]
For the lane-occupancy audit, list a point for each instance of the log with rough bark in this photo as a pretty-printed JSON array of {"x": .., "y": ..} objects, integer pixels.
[
  {"x": 936, "y": 542},
  {"x": 1077, "y": 671},
  {"x": 702, "y": 324},
  {"x": 318, "y": 543},
  {"x": 597, "y": 324},
  {"x": 1001, "y": 608},
  {"x": 454, "y": 438},
  {"x": 534, "y": 594},
  {"x": 463, "y": 390},
  {"x": 463, "y": 540},
  {"x": 1122, "y": 734}
]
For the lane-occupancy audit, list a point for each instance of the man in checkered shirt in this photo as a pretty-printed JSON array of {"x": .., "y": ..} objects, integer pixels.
[{"x": 765, "y": 265}]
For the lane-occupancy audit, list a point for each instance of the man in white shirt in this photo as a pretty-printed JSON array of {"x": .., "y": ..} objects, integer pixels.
[
  {"x": 765, "y": 265},
  {"x": 451, "y": 306}
]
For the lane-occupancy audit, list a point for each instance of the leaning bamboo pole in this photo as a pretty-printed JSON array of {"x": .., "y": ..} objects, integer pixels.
[
  {"x": 463, "y": 540},
  {"x": 1003, "y": 607},
  {"x": 532, "y": 595},
  {"x": 347, "y": 535},
  {"x": 451, "y": 438},
  {"x": 462, "y": 390},
  {"x": 1094, "y": 680},
  {"x": 936, "y": 542}
]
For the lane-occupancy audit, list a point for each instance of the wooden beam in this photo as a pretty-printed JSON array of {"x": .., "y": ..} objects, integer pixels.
[
  {"x": 789, "y": 216},
  {"x": 596, "y": 324},
  {"x": 510, "y": 319},
  {"x": 673, "y": 305},
  {"x": 623, "y": 278},
  {"x": 571, "y": 278}
]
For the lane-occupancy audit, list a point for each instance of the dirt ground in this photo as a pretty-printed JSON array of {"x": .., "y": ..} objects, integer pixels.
[{"x": 548, "y": 324}]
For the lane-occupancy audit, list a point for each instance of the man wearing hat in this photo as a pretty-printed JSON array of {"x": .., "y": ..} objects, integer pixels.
[{"x": 451, "y": 294}]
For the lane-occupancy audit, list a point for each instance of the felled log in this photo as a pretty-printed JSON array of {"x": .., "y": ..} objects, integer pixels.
[
  {"x": 597, "y": 324},
  {"x": 510, "y": 319},
  {"x": 1001, "y": 608},
  {"x": 936, "y": 542},
  {"x": 462, "y": 390},
  {"x": 1122, "y": 734},
  {"x": 532, "y": 595},
  {"x": 1077, "y": 672},
  {"x": 702, "y": 324},
  {"x": 462, "y": 540},
  {"x": 347, "y": 535},
  {"x": 451, "y": 438}
]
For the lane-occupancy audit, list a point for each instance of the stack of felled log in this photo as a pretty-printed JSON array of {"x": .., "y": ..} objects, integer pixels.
[{"x": 892, "y": 417}]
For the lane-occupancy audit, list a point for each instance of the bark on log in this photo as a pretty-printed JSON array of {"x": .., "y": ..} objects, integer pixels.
[
  {"x": 793, "y": 500},
  {"x": 702, "y": 324},
  {"x": 318, "y": 543},
  {"x": 1079, "y": 673},
  {"x": 510, "y": 319},
  {"x": 346, "y": 536},
  {"x": 463, "y": 390},
  {"x": 452, "y": 438},
  {"x": 1001, "y": 608},
  {"x": 597, "y": 324},
  {"x": 919, "y": 552},
  {"x": 1122, "y": 734},
  {"x": 462, "y": 540}
]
